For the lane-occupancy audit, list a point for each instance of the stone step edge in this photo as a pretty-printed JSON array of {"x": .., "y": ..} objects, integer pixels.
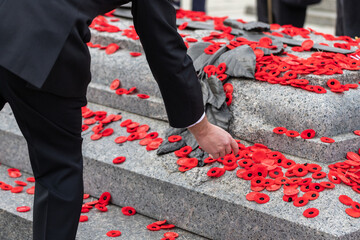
[
  {"x": 94, "y": 177},
  {"x": 152, "y": 107},
  {"x": 19, "y": 225}
]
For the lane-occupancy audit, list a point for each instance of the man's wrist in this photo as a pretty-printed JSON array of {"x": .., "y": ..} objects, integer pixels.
[{"x": 200, "y": 128}]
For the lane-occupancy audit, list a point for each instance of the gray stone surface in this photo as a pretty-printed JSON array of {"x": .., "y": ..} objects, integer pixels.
[
  {"x": 215, "y": 208},
  {"x": 16, "y": 226},
  {"x": 257, "y": 107},
  {"x": 260, "y": 107},
  {"x": 152, "y": 107}
]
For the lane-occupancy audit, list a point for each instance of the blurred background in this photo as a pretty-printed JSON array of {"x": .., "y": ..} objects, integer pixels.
[{"x": 321, "y": 17}]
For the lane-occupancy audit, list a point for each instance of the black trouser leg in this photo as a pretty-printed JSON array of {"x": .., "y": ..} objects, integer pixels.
[
  {"x": 2, "y": 103},
  {"x": 262, "y": 11},
  {"x": 348, "y": 18},
  {"x": 51, "y": 126},
  {"x": 288, "y": 14},
  {"x": 198, "y": 5}
]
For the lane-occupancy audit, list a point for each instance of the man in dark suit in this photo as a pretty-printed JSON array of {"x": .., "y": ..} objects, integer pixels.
[{"x": 44, "y": 73}]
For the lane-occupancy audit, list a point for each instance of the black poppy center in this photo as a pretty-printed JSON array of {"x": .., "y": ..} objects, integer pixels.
[
  {"x": 262, "y": 199},
  {"x": 309, "y": 134},
  {"x": 317, "y": 187},
  {"x": 258, "y": 181},
  {"x": 313, "y": 195},
  {"x": 105, "y": 198},
  {"x": 300, "y": 170},
  {"x": 260, "y": 174},
  {"x": 301, "y": 201},
  {"x": 276, "y": 173},
  {"x": 130, "y": 211},
  {"x": 311, "y": 213},
  {"x": 290, "y": 199}
]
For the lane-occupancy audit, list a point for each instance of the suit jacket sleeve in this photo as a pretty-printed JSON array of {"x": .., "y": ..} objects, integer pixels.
[{"x": 166, "y": 53}]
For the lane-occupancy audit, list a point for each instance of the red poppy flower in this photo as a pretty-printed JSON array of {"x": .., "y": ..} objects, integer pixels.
[
  {"x": 183, "y": 26},
  {"x": 17, "y": 189},
  {"x": 183, "y": 152},
  {"x": 128, "y": 211},
  {"x": 259, "y": 53},
  {"x": 279, "y": 130},
  {"x": 275, "y": 173},
  {"x": 261, "y": 198},
  {"x": 115, "y": 84},
  {"x": 308, "y": 134},
  {"x": 191, "y": 40},
  {"x": 101, "y": 207},
  {"x": 216, "y": 172},
  {"x": 300, "y": 170},
  {"x": 83, "y": 218},
  {"x": 318, "y": 175},
  {"x": 257, "y": 181},
  {"x": 251, "y": 196},
  {"x": 287, "y": 163},
  {"x": 119, "y": 160},
  {"x": 228, "y": 88},
  {"x": 167, "y": 226},
  {"x": 221, "y": 68},
  {"x": 111, "y": 48},
  {"x": 96, "y": 136},
  {"x": 356, "y": 188},
  {"x": 23, "y": 209},
  {"x": 21, "y": 183},
  {"x": 357, "y": 132},
  {"x": 311, "y": 212},
  {"x": 174, "y": 138},
  {"x": 121, "y": 139},
  {"x": 121, "y": 91},
  {"x": 105, "y": 198},
  {"x": 135, "y": 54},
  {"x": 107, "y": 132},
  {"x": 152, "y": 135},
  {"x": 287, "y": 198},
  {"x": 329, "y": 185},
  {"x": 143, "y": 96},
  {"x": 346, "y": 200},
  {"x": 171, "y": 235},
  {"x": 300, "y": 202},
  {"x": 333, "y": 177},
  {"x": 327, "y": 140},
  {"x": 31, "y": 190},
  {"x": 307, "y": 44},
  {"x": 352, "y": 212},
  {"x": 209, "y": 160},
  {"x": 273, "y": 187},
  {"x": 245, "y": 163},
  {"x": 333, "y": 84},
  {"x": 311, "y": 195},
  {"x": 292, "y": 133},
  {"x": 113, "y": 233},
  {"x": 356, "y": 206},
  {"x": 30, "y": 179}
]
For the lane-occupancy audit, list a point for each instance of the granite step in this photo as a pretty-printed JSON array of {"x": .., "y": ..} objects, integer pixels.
[
  {"x": 258, "y": 108},
  {"x": 18, "y": 225},
  {"x": 213, "y": 208}
]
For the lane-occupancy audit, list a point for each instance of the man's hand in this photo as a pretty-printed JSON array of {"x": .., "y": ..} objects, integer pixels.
[{"x": 214, "y": 140}]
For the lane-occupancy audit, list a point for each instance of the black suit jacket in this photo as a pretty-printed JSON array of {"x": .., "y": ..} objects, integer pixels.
[{"x": 43, "y": 42}]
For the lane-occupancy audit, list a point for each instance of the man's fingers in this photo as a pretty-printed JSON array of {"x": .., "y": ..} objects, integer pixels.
[
  {"x": 234, "y": 147},
  {"x": 228, "y": 149}
]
